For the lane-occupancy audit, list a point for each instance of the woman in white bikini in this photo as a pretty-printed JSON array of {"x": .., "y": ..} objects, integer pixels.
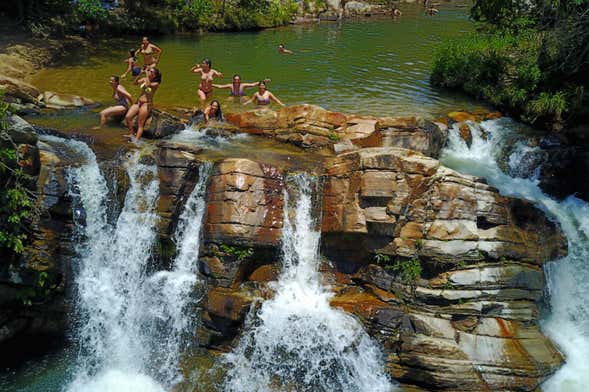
[
  {"x": 142, "y": 108},
  {"x": 207, "y": 74},
  {"x": 149, "y": 51}
]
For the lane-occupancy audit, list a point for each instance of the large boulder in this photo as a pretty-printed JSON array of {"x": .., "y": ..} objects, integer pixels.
[
  {"x": 161, "y": 124},
  {"x": 440, "y": 268},
  {"x": 244, "y": 203},
  {"x": 357, "y": 8},
  {"x": 54, "y": 100},
  {"x": 311, "y": 126},
  {"x": 18, "y": 91}
]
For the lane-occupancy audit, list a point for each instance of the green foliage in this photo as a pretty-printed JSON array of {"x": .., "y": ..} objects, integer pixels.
[
  {"x": 529, "y": 58},
  {"x": 15, "y": 202},
  {"x": 382, "y": 259},
  {"x": 239, "y": 253},
  {"x": 408, "y": 270},
  {"x": 39, "y": 291},
  {"x": 90, "y": 11},
  {"x": 334, "y": 137}
]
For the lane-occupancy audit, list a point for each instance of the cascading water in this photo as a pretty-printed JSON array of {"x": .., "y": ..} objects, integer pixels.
[
  {"x": 172, "y": 292},
  {"x": 131, "y": 324},
  {"x": 297, "y": 341},
  {"x": 567, "y": 320}
]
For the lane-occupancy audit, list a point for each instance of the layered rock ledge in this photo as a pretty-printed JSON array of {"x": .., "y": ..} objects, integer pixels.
[
  {"x": 310, "y": 126},
  {"x": 441, "y": 269}
]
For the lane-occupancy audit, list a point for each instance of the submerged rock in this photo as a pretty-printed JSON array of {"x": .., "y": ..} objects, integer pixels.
[{"x": 53, "y": 100}]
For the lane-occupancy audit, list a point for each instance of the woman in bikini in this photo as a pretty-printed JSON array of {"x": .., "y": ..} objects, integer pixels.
[
  {"x": 263, "y": 96},
  {"x": 142, "y": 108},
  {"x": 122, "y": 102},
  {"x": 149, "y": 50},
  {"x": 205, "y": 89},
  {"x": 237, "y": 87},
  {"x": 132, "y": 65}
]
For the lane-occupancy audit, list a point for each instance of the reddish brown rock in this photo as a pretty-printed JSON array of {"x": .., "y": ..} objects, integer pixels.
[
  {"x": 244, "y": 203},
  {"x": 447, "y": 272},
  {"x": 310, "y": 126}
]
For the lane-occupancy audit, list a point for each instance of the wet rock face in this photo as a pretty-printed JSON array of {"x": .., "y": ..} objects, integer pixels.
[
  {"x": 244, "y": 203},
  {"x": 54, "y": 100},
  {"x": 178, "y": 173},
  {"x": 161, "y": 124},
  {"x": 401, "y": 203},
  {"x": 242, "y": 231},
  {"x": 33, "y": 283},
  {"x": 441, "y": 269},
  {"x": 313, "y": 127}
]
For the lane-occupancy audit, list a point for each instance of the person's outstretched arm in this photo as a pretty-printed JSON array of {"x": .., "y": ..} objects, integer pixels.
[{"x": 272, "y": 97}]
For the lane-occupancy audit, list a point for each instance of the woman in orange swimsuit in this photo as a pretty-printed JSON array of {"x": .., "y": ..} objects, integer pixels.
[
  {"x": 142, "y": 108},
  {"x": 205, "y": 89},
  {"x": 263, "y": 96}
]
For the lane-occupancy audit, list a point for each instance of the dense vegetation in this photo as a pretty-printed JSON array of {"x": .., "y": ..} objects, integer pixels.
[
  {"x": 60, "y": 17},
  {"x": 15, "y": 201},
  {"x": 528, "y": 58}
]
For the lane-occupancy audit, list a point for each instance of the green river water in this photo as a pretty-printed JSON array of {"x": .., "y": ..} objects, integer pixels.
[{"x": 375, "y": 66}]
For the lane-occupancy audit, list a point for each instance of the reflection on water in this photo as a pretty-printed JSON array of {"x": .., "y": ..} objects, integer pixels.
[{"x": 376, "y": 66}]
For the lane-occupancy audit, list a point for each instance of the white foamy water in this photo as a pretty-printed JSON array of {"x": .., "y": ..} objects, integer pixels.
[
  {"x": 297, "y": 341},
  {"x": 567, "y": 322},
  {"x": 130, "y": 322},
  {"x": 203, "y": 138}
]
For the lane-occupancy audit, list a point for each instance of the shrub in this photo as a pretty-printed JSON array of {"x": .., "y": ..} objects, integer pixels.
[
  {"x": 90, "y": 11},
  {"x": 505, "y": 69},
  {"x": 15, "y": 202}
]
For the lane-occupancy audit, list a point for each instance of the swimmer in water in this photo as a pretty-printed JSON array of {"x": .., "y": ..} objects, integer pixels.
[
  {"x": 149, "y": 51},
  {"x": 122, "y": 102},
  {"x": 142, "y": 108},
  {"x": 395, "y": 11},
  {"x": 431, "y": 10},
  {"x": 132, "y": 65},
  {"x": 263, "y": 96},
  {"x": 237, "y": 87},
  {"x": 213, "y": 112},
  {"x": 283, "y": 50},
  {"x": 207, "y": 74}
]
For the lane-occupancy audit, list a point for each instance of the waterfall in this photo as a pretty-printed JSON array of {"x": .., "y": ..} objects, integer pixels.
[
  {"x": 296, "y": 341},
  {"x": 130, "y": 322},
  {"x": 566, "y": 321},
  {"x": 171, "y": 293}
]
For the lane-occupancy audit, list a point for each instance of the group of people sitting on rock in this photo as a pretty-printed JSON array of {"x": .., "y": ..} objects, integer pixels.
[{"x": 148, "y": 78}]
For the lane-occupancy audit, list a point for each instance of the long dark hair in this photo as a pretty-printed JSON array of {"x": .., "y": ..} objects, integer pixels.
[
  {"x": 132, "y": 53},
  {"x": 208, "y": 62},
  {"x": 158, "y": 75},
  {"x": 219, "y": 113}
]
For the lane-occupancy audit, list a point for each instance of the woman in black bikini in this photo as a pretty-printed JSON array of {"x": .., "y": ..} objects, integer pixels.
[
  {"x": 142, "y": 109},
  {"x": 205, "y": 89},
  {"x": 132, "y": 65},
  {"x": 122, "y": 101},
  {"x": 263, "y": 96}
]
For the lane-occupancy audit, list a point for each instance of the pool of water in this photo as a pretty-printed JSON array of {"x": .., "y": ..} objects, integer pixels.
[{"x": 375, "y": 66}]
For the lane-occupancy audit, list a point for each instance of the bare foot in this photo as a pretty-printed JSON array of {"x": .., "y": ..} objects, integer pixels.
[{"x": 129, "y": 136}]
